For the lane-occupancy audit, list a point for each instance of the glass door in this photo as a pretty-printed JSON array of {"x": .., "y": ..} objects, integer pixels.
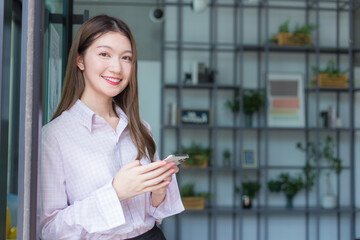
[{"x": 10, "y": 12}]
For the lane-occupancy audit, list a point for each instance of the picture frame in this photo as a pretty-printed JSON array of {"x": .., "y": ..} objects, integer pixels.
[
  {"x": 285, "y": 100},
  {"x": 249, "y": 159},
  {"x": 189, "y": 116}
]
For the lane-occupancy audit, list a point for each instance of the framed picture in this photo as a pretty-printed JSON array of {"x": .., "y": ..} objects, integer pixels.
[
  {"x": 195, "y": 116},
  {"x": 249, "y": 159},
  {"x": 285, "y": 100}
]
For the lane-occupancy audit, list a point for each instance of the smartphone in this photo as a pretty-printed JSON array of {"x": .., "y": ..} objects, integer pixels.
[{"x": 177, "y": 158}]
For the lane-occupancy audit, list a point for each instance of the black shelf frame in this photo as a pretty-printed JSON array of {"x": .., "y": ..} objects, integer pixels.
[{"x": 263, "y": 49}]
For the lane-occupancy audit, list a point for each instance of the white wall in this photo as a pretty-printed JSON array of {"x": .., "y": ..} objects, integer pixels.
[{"x": 149, "y": 95}]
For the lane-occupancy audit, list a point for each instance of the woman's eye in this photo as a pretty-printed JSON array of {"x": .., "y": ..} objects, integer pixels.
[
  {"x": 127, "y": 58},
  {"x": 103, "y": 54}
]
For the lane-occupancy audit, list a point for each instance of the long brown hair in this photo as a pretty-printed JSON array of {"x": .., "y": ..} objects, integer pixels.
[{"x": 127, "y": 100}]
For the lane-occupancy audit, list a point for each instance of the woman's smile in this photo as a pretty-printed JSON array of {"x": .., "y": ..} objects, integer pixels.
[{"x": 112, "y": 80}]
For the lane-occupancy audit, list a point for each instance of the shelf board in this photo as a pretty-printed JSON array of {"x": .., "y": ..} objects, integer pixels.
[
  {"x": 230, "y": 47},
  {"x": 270, "y": 129},
  {"x": 261, "y": 168},
  {"x": 201, "y": 86},
  {"x": 323, "y": 89},
  {"x": 313, "y": 210}
]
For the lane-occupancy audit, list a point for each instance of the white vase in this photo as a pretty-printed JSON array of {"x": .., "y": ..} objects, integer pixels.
[{"x": 329, "y": 201}]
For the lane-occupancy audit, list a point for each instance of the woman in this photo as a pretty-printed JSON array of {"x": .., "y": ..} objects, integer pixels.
[{"x": 100, "y": 178}]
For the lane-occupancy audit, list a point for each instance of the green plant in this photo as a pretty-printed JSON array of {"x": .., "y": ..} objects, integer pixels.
[
  {"x": 284, "y": 28},
  {"x": 290, "y": 186},
  {"x": 252, "y": 101},
  {"x": 330, "y": 69},
  {"x": 325, "y": 151},
  {"x": 197, "y": 154},
  {"x": 226, "y": 154},
  {"x": 300, "y": 34},
  {"x": 187, "y": 190},
  {"x": 249, "y": 188},
  {"x": 304, "y": 29},
  {"x": 234, "y": 104}
]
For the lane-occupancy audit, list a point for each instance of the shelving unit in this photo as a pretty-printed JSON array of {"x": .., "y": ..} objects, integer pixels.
[{"x": 224, "y": 218}]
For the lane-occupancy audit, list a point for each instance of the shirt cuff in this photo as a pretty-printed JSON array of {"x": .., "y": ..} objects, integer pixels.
[
  {"x": 110, "y": 206},
  {"x": 171, "y": 204}
]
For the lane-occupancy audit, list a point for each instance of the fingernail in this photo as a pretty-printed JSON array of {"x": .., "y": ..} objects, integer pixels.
[{"x": 171, "y": 170}]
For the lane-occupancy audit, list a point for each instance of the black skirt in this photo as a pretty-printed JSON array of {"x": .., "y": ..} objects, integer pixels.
[{"x": 153, "y": 234}]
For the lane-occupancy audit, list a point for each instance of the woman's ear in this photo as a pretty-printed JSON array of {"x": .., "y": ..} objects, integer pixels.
[{"x": 80, "y": 62}]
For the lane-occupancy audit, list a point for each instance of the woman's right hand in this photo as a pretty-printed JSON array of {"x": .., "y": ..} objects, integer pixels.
[{"x": 134, "y": 179}]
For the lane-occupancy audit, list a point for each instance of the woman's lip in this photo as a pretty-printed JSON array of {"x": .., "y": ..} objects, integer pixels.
[{"x": 112, "y": 80}]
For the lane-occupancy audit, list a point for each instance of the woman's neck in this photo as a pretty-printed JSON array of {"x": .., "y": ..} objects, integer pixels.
[{"x": 102, "y": 107}]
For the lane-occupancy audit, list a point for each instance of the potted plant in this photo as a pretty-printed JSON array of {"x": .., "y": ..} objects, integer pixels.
[
  {"x": 252, "y": 102},
  {"x": 226, "y": 158},
  {"x": 192, "y": 200},
  {"x": 331, "y": 76},
  {"x": 287, "y": 184},
  {"x": 325, "y": 152},
  {"x": 300, "y": 36},
  {"x": 234, "y": 104},
  {"x": 198, "y": 155},
  {"x": 249, "y": 191}
]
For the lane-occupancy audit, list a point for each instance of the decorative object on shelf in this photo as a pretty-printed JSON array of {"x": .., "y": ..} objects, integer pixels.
[
  {"x": 249, "y": 159},
  {"x": 325, "y": 151},
  {"x": 290, "y": 186},
  {"x": 248, "y": 193},
  {"x": 329, "y": 118},
  {"x": 286, "y": 100},
  {"x": 226, "y": 158},
  {"x": 199, "y": 6},
  {"x": 195, "y": 116},
  {"x": 199, "y": 156},
  {"x": 192, "y": 200},
  {"x": 201, "y": 74},
  {"x": 301, "y": 36},
  {"x": 330, "y": 77},
  {"x": 172, "y": 112},
  {"x": 252, "y": 103}
]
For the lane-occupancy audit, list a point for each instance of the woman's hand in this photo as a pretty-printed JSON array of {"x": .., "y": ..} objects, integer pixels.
[
  {"x": 157, "y": 196},
  {"x": 134, "y": 179}
]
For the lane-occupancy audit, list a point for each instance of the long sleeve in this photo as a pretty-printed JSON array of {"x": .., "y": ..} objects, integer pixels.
[
  {"x": 98, "y": 212},
  {"x": 171, "y": 204}
]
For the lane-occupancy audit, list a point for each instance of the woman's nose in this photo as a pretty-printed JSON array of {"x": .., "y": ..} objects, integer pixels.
[{"x": 115, "y": 65}]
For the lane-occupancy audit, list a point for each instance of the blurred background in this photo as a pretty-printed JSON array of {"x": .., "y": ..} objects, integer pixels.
[{"x": 262, "y": 94}]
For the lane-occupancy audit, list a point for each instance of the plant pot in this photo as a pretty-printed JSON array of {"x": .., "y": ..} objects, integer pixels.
[
  {"x": 246, "y": 201},
  {"x": 289, "y": 39},
  {"x": 325, "y": 80},
  {"x": 289, "y": 201},
  {"x": 226, "y": 162},
  {"x": 200, "y": 162},
  {"x": 192, "y": 203},
  {"x": 248, "y": 120},
  {"x": 329, "y": 201}
]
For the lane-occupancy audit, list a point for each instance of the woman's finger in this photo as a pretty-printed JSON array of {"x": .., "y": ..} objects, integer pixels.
[
  {"x": 151, "y": 166},
  {"x": 156, "y": 172},
  {"x": 159, "y": 179}
]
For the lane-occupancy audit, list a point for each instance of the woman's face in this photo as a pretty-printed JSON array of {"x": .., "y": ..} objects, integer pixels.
[{"x": 106, "y": 66}]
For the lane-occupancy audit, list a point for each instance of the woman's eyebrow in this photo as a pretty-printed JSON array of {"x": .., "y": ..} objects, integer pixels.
[{"x": 109, "y": 47}]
